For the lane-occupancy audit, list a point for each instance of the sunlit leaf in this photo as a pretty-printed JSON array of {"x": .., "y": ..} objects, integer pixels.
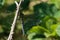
[
  {"x": 30, "y": 36},
  {"x": 38, "y": 39},
  {"x": 34, "y": 29},
  {"x": 53, "y": 27},
  {"x": 52, "y": 30},
  {"x": 58, "y": 30},
  {"x": 50, "y": 34},
  {"x": 50, "y": 23},
  {"x": 37, "y": 29}
]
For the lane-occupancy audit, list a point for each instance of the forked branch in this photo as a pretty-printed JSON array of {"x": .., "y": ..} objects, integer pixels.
[{"x": 14, "y": 21}]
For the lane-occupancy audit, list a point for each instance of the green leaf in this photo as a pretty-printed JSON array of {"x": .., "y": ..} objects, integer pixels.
[
  {"x": 50, "y": 34},
  {"x": 57, "y": 14},
  {"x": 53, "y": 27},
  {"x": 30, "y": 36},
  {"x": 34, "y": 29},
  {"x": 38, "y": 39},
  {"x": 56, "y": 2},
  {"x": 49, "y": 23},
  {"x": 37, "y": 29},
  {"x": 58, "y": 30},
  {"x": 52, "y": 30}
]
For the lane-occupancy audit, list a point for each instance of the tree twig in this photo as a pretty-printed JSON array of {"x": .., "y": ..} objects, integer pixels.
[{"x": 14, "y": 21}]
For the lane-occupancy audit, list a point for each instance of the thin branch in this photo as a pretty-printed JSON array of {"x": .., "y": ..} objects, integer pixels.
[{"x": 14, "y": 21}]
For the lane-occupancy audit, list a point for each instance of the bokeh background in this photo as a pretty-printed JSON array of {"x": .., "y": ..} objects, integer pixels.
[{"x": 41, "y": 19}]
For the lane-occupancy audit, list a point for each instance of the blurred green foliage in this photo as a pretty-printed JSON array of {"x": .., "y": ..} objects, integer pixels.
[{"x": 43, "y": 21}]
